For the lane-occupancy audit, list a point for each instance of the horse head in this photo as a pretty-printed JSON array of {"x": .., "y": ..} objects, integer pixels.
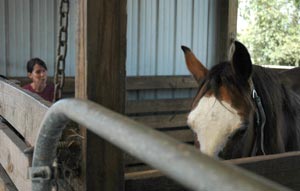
[{"x": 223, "y": 109}]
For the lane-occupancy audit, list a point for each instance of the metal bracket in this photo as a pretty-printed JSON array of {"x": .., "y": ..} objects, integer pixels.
[{"x": 41, "y": 173}]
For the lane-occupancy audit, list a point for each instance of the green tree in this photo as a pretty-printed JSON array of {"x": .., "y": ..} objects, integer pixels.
[{"x": 273, "y": 31}]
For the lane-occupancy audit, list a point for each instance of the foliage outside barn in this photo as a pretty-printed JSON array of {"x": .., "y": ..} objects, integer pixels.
[{"x": 272, "y": 31}]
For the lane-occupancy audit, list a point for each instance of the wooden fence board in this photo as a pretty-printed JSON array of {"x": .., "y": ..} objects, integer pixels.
[
  {"x": 6, "y": 183},
  {"x": 22, "y": 109},
  {"x": 12, "y": 158},
  {"x": 160, "y": 82},
  {"x": 162, "y": 105},
  {"x": 282, "y": 168},
  {"x": 183, "y": 135},
  {"x": 163, "y": 121},
  {"x": 151, "y": 180}
]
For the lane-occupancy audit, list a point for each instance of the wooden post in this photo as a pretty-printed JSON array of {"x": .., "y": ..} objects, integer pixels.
[
  {"x": 227, "y": 25},
  {"x": 232, "y": 20},
  {"x": 100, "y": 77}
]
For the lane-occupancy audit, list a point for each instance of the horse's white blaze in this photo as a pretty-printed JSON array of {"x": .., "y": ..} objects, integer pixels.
[{"x": 213, "y": 122}]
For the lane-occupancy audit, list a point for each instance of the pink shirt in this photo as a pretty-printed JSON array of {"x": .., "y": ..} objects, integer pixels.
[{"x": 47, "y": 94}]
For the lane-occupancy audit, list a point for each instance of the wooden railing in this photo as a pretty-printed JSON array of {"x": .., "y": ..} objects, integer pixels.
[{"x": 23, "y": 112}]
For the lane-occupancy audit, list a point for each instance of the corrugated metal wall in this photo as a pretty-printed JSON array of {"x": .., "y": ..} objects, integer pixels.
[
  {"x": 28, "y": 28},
  {"x": 158, "y": 28}
]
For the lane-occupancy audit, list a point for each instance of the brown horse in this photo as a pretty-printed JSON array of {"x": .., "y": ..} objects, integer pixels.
[
  {"x": 291, "y": 78},
  {"x": 241, "y": 109}
]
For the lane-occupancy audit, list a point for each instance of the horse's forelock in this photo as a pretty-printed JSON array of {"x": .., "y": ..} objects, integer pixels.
[{"x": 219, "y": 76}]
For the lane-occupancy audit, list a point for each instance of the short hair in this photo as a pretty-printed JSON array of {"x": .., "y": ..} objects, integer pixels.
[{"x": 34, "y": 61}]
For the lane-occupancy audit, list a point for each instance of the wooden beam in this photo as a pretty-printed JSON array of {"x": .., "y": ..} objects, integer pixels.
[
  {"x": 6, "y": 183},
  {"x": 163, "y": 121},
  {"x": 22, "y": 109},
  {"x": 151, "y": 180},
  {"x": 226, "y": 26},
  {"x": 161, "y": 105},
  {"x": 100, "y": 77},
  {"x": 160, "y": 82},
  {"x": 232, "y": 20},
  {"x": 281, "y": 168},
  {"x": 12, "y": 158}
]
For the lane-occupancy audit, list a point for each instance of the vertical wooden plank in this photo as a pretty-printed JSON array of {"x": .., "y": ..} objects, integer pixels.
[
  {"x": 14, "y": 161},
  {"x": 227, "y": 23},
  {"x": 232, "y": 20},
  {"x": 222, "y": 29},
  {"x": 102, "y": 50},
  {"x": 80, "y": 79},
  {"x": 6, "y": 183}
]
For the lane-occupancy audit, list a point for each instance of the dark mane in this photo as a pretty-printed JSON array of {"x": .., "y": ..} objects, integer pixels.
[
  {"x": 223, "y": 74},
  {"x": 282, "y": 114}
]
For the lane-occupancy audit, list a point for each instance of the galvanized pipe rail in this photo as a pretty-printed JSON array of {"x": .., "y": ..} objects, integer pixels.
[{"x": 177, "y": 160}]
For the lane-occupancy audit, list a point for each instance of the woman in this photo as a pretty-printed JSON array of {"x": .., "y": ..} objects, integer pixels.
[{"x": 37, "y": 72}]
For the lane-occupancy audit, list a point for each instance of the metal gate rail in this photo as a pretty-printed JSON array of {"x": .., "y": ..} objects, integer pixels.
[{"x": 177, "y": 160}]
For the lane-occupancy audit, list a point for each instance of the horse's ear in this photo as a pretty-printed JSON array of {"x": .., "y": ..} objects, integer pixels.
[
  {"x": 194, "y": 65},
  {"x": 241, "y": 60}
]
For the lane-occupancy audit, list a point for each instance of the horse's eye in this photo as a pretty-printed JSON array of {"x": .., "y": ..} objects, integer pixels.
[{"x": 242, "y": 130}]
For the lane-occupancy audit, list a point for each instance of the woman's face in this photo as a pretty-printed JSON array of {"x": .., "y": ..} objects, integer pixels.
[{"x": 38, "y": 75}]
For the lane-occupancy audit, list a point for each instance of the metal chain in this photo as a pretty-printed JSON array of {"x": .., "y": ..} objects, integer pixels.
[{"x": 59, "y": 75}]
